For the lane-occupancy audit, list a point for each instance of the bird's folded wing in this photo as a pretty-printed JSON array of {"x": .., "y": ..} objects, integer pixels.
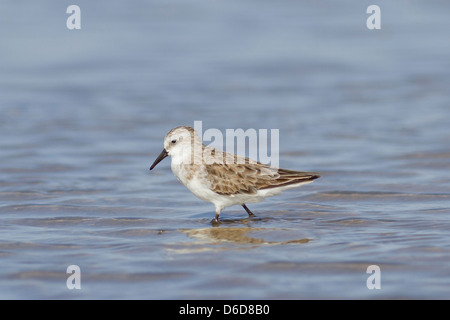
[{"x": 248, "y": 178}]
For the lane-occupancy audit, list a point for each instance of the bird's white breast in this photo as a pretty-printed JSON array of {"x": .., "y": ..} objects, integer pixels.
[{"x": 194, "y": 179}]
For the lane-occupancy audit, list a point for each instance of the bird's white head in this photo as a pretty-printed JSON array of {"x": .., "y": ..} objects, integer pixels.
[{"x": 179, "y": 143}]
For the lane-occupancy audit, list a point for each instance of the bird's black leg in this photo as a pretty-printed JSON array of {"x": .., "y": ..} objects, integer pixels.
[
  {"x": 250, "y": 214},
  {"x": 216, "y": 219}
]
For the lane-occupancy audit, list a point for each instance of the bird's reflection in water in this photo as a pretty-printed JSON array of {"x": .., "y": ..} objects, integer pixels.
[
  {"x": 207, "y": 239},
  {"x": 238, "y": 235}
]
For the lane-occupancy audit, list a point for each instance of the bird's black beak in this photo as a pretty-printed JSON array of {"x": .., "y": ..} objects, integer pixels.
[{"x": 161, "y": 156}]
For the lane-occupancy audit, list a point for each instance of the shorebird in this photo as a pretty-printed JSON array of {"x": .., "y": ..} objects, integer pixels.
[{"x": 223, "y": 178}]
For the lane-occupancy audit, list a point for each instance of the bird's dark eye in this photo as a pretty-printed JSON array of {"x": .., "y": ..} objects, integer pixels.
[{"x": 174, "y": 141}]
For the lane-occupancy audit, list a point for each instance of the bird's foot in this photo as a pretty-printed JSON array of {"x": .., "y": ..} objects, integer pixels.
[{"x": 215, "y": 222}]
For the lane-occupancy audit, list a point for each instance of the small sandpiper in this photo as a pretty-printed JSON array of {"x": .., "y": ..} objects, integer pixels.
[{"x": 223, "y": 178}]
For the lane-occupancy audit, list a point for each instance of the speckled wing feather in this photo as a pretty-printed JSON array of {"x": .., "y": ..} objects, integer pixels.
[{"x": 249, "y": 177}]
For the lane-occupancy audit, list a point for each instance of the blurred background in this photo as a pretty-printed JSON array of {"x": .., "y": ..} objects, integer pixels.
[{"x": 84, "y": 113}]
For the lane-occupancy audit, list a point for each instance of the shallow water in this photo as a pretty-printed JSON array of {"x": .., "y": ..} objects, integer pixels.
[{"x": 84, "y": 113}]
